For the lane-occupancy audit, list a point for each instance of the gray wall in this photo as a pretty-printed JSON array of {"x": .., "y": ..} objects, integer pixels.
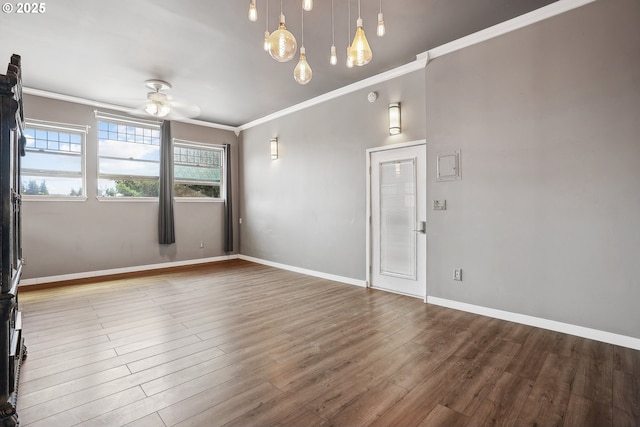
[
  {"x": 546, "y": 218},
  {"x": 307, "y": 209},
  {"x": 81, "y": 236}
]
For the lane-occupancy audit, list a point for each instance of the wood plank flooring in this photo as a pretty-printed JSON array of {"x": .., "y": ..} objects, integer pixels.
[{"x": 241, "y": 344}]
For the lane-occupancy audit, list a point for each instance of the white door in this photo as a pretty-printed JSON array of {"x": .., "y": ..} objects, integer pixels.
[{"x": 398, "y": 181}]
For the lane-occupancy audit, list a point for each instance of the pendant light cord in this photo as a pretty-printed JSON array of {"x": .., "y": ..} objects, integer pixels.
[
  {"x": 359, "y": 17},
  {"x": 333, "y": 27},
  {"x": 302, "y": 13},
  {"x": 349, "y": 26}
]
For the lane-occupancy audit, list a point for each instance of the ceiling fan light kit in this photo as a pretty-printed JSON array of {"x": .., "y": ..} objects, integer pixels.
[
  {"x": 282, "y": 46},
  {"x": 158, "y": 104}
]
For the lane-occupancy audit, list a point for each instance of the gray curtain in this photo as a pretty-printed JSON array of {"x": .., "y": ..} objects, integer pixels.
[
  {"x": 166, "y": 231},
  {"x": 228, "y": 211}
]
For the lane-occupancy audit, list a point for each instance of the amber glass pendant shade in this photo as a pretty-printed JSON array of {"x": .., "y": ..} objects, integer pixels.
[
  {"x": 302, "y": 73},
  {"x": 360, "y": 52},
  {"x": 282, "y": 44}
]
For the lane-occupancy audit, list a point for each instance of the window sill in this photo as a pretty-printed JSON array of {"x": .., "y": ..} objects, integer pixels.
[
  {"x": 197, "y": 200},
  {"x": 155, "y": 199},
  {"x": 53, "y": 199},
  {"x": 127, "y": 199}
]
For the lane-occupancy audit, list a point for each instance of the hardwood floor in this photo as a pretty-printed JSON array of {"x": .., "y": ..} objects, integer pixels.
[{"x": 241, "y": 344}]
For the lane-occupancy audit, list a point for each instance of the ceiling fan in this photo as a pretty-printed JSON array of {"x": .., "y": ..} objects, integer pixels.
[{"x": 160, "y": 104}]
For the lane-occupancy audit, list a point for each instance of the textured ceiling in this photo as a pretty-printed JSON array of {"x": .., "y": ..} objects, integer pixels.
[{"x": 212, "y": 54}]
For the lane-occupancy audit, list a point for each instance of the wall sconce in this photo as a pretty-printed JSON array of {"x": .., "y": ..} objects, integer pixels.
[
  {"x": 274, "y": 148},
  {"x": 394, "y": 119}
]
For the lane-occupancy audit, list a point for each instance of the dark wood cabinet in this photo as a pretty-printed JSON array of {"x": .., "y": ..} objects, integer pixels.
[{"x": 12, "y": 142}]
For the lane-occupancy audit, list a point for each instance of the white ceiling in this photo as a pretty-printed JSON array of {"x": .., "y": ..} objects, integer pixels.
[{"x": 212, "y": 54}]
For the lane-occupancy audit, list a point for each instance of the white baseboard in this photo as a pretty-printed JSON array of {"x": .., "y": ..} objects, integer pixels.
[
  {"x": 134, "y": 269},
  {"x": 580, "y": 331},
  {"x": 333, "y": 277}
]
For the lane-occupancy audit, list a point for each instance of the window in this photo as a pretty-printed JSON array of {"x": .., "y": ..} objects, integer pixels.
[
  {"x": 197, "y": 169},
  {"x": 128, "y": 158},
  {"x": 54, "y": 161}
]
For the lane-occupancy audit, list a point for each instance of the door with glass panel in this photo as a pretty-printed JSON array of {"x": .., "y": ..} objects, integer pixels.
[{"x": 398, "y": 213}]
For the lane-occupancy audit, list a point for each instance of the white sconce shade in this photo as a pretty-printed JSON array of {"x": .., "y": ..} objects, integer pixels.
[
  {"x": 394, "y": 119},
  {"x": 274, "y": 148}
]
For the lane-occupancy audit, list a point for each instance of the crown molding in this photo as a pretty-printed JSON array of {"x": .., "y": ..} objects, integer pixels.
[
  {"x": 418, "y": 64},
  {"x": 514, "y": 24},
  {"x": 133, "y": 111}
]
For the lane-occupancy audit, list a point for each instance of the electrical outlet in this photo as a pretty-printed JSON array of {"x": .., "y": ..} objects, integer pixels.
[{"x": 457, "y": 274}]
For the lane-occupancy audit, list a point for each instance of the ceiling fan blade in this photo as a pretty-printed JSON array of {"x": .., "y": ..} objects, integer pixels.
[{"x": 184, "y": 110}]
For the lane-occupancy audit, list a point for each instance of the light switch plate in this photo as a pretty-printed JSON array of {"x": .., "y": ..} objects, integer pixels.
[
  {"x": 457, "y": 274},
  {"x": 439, "y": 205}
]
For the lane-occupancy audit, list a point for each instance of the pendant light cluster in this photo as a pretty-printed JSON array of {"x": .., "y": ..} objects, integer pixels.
[{"x": 282, "y": 45}]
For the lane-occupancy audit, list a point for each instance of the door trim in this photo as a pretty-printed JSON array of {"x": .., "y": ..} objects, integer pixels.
[{"x": 368, "y": 217}]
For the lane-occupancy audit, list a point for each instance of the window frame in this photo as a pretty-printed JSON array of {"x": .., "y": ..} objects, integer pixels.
[
  {"x": 178, "y": 142},
  {"x": 120, "y": 120},
  {"x": 72, "y": 129}
]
